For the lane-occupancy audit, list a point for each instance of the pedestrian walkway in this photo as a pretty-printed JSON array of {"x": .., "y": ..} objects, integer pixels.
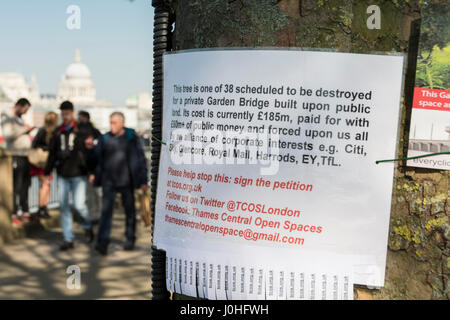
[{"x": 34, "y": 268}]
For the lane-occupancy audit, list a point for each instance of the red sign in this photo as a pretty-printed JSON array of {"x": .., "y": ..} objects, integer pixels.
[{"x": 431, "y": 99}]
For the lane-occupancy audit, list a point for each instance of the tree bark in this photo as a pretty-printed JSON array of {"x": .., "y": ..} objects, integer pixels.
[
  {"x": 418, "y": 260},
  {"x": 6, "y": 197}
]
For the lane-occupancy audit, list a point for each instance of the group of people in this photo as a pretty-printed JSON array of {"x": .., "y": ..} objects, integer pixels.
[{"x": 83, "y": 158}]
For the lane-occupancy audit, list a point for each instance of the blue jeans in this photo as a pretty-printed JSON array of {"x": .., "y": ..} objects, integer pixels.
[
  {"x": 76, "y": 186},
  {"x": 108, "y": 196}
]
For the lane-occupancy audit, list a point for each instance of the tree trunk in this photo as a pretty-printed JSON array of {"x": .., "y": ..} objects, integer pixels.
[
  {"x": 6, "y": 197},
  {"x": 418, "y": 260}
]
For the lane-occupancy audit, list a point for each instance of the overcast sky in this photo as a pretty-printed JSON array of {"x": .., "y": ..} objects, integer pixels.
[{"x": 115, "y": 40}]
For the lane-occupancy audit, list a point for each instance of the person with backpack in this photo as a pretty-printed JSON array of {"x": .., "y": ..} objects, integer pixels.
[
  {"x": 68, "y": 153},
  {"x": 121, "y": 168}
]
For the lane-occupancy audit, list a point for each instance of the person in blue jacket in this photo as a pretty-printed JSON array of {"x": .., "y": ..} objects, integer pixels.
[{"x": 121, "y": 167}]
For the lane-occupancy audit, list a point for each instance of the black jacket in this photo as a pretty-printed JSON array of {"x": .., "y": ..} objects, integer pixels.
[
  {"x": 39, "y": 140},
  {"x": 67, "y": 151},
  {"x": 93, "y": 131},
  {"x": 137, "y": 164}
]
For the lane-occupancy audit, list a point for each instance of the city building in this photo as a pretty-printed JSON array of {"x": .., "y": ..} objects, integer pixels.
[
  {"x": 143, "y": 103},
  {"x": 77, "y": 86}
]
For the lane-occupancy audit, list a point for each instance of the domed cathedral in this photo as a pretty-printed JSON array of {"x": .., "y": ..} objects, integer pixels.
[{"x": 76, "y": 83}]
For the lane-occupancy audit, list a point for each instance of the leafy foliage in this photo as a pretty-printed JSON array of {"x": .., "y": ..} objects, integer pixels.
[
  {"x": 434, "y": 72},
  {"x": 435, "y": 28},
  {"x": 433, "y": 63}
]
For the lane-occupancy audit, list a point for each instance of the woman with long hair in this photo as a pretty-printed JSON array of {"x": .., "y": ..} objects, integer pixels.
[{"x": 42, "y": 140}]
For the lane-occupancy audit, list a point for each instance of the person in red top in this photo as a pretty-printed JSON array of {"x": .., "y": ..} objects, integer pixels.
[{"x": 42, "y": 140}]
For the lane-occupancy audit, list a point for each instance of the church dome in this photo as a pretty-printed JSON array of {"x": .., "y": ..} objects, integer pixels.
[
  {"x": 77, "y": 69},
  {"x": 76, "y": 84}
]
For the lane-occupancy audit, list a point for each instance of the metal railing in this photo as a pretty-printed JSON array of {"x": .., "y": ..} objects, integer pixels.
[{"x": 33, "y": 194}]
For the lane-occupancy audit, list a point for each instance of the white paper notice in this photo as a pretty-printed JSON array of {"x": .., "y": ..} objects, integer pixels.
[{"x": 270, "y": 159}]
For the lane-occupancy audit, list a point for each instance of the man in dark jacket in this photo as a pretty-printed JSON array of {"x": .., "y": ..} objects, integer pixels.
[
  {"x": 121, "y": 168},
  {"x": 67, "y": 152},
  {"x": 84, "y": 119},
  {"x": 93, "y": 194}
]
